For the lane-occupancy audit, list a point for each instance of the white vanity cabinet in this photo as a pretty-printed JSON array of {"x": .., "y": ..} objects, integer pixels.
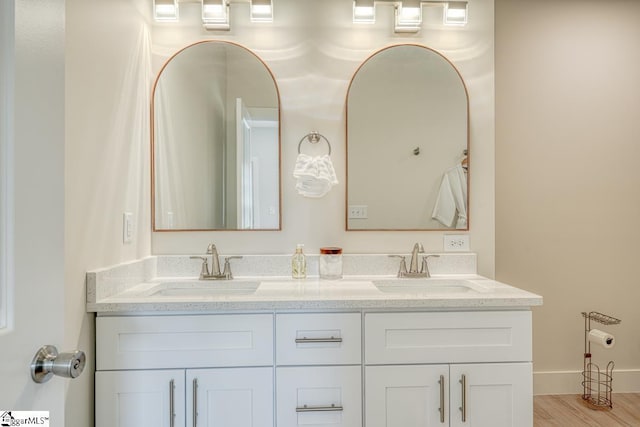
[
  {"x": 319, "y": 370},
  {"x": 291, "y": 369},
  {"x": 448, "y": 369},
  {"x": 162, "y": 371}
]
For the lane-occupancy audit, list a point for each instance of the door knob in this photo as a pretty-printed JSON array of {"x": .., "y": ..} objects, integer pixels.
[{"x": 47, "y": 363}]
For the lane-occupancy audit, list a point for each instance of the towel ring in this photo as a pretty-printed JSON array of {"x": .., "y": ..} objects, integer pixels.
[{"x": 314, "y": 138}]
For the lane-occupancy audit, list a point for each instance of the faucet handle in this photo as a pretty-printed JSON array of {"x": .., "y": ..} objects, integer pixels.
[
  {"x": 402, "y": 270},
  {"x": 425, "y": 265},
  {"x": 204, "y": 271},
  {"x": 227, "y": 266}
]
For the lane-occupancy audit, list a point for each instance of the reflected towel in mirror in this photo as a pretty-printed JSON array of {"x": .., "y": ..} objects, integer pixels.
[
  {"x": 452, "y": 199},
  {"x": 314, "y": 175}
]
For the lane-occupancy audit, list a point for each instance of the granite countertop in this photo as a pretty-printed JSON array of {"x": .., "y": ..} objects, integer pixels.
[{"x": 249, "y": 293}]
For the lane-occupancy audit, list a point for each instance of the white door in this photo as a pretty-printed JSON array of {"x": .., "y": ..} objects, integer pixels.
[
  {"x": 245, "y": 185},
  {"x": 495, "y": 395},
  {"x": 32, "y": 85},
  {"x": 407, "y": 396},
  {"x": 230, "y": 397},
  {"x": 153, "y": 398}
]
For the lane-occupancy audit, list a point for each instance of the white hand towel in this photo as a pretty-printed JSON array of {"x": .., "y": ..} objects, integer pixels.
[
  {"x": 315, "y": 175},
  {"x": 311, "y": 187},
  {"x": 452, "y": 199}
]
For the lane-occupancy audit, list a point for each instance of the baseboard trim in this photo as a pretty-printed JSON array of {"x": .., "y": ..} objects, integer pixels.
[{"x": 570, "y": 382}]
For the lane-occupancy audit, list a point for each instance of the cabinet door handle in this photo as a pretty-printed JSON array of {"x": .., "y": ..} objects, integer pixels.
[
  {"x": 332, "y": 408},
  {"x": 317, "y": 340},
  {"x": 172, "y": 413},
  {"x": 195, "y": 402},
  {"x": 463, "y": 381},
  {"x": 441, "y": 382}
]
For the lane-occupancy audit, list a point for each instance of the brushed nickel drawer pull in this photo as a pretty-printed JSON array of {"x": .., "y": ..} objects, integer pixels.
[
  {"x": 463, "y": 381},
  {"x": 195, "y": 402},
  {"x": 317, "y": 340},
  {"x": 172, "y": 412},
  {"x": 441, "y": 382},
  {"x": 332, "y": 408}
]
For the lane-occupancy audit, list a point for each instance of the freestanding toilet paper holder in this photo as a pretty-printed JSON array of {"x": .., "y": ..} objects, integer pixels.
[{"x": 596, "y": 384}]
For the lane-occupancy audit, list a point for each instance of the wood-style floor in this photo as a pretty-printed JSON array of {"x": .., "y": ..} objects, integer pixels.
[{"x": 569, "y": 410}]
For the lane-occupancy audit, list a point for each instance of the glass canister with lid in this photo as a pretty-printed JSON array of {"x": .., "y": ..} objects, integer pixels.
[{"x": 330, "y": 264}]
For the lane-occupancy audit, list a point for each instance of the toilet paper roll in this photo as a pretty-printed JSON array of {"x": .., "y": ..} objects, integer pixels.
[{"x": 605, "y": 339}]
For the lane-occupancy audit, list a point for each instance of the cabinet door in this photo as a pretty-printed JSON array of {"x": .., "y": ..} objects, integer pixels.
[
  {"x": 407, "y": 396},
  {"x": 322, "y": 396},
  {"x": 494, "y": 395},
  {"x": 230, "y": 397},
  {"x": 140, "y": 398}
]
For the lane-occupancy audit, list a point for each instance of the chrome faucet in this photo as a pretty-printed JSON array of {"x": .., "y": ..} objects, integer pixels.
[
  {"x": 215, "y": 274},
  {"x": 414, "y": 271}
]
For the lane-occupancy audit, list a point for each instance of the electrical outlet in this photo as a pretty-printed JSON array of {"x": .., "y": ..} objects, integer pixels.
[
  {"x": 456, "y": 243},
  {"x": 127, "y": 227},
  {"x": 358, "y": 212}
]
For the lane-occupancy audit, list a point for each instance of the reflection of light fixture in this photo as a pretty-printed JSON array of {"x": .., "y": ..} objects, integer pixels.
[
  {"x": 408, "y": 16},
  {"x": 364, "y": 11},
  {"x": 215, "y": 14},
  {"x": 261, "y": 11},
  {"x": 165, "y": 10},
  {"x": 455, "y": 13}
]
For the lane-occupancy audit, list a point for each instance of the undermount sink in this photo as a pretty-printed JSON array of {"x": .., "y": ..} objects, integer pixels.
[
  {"x": 203, "y": 288},
  {"x": 428, "y": 286}
]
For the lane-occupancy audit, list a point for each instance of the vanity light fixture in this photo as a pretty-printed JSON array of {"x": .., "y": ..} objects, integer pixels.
[
  {"x": 165, "y": 10},
  {"x": 408, "y": 16},
  {"x": 364, "y": 11},
  {"x": 261, "y": 11},
  {"x": 408, "y": 13},
  {"x": 215, "y": 14},
  {"x": 455, "y": 13}
]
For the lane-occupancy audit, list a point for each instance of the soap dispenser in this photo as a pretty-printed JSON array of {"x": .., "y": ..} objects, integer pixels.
[{"x": 299, "y": 263}]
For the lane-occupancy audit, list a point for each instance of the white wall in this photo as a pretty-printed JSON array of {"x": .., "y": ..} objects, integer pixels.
[
  {"x": 313, "y": 49},
  {"x": 567, "y": 198},
  {"x": 107, "y": 160}
]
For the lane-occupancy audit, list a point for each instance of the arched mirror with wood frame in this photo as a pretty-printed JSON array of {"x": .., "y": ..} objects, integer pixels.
[{"x": 408, "y": 153}]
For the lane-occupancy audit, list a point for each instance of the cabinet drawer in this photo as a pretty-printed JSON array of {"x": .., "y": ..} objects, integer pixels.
[
  {"x": 452, "y": 337},
  {"x": 150, "y": 342},
  {"x": 321, "y": 396},
  {"x": 318, "y": 339}
]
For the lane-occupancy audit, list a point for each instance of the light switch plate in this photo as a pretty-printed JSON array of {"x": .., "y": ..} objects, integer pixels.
[
  {"x": 127, "y": 227},
  {"x": 456, "y": 243}
]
